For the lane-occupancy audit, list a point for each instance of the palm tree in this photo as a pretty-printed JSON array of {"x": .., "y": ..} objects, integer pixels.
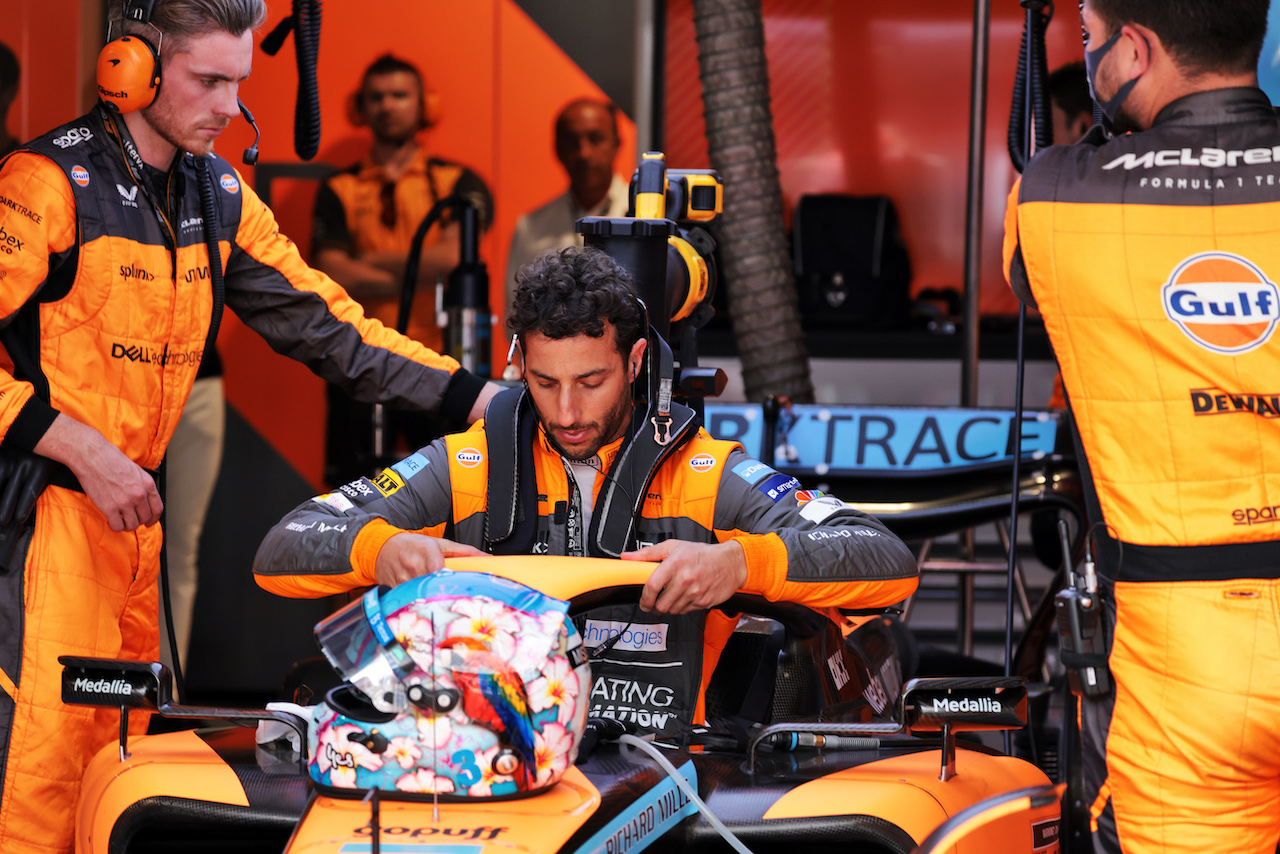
[{"x": 763, "y": 303}]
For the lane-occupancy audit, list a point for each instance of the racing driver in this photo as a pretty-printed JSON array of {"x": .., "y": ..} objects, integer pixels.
[
  {"x": 718, "y": 521},
  {"x": 1156, "y": 252},
  {"x": 106, "y": 306}
]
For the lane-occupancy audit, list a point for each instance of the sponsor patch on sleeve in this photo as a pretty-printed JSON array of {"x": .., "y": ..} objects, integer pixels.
[
  {"x": 777, "y": 486},
  {"x": 336, "y": 500},
  {"x": 818, "y": 509},
  {"x": 358, "y": 492},
  {"x": 752, "y": 471},
  {"x": 387, "y": 481},
  {"x": 410, "y": 466}
]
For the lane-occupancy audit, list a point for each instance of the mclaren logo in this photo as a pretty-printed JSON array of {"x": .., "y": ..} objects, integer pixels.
[
  {"x": 942, "y": 706},
  {"x": 1210, "y": 157}
]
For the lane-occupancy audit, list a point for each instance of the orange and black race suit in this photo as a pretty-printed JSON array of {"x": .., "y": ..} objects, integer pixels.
[
  {"x": 359, "y": 211},
  {"x": 105, "y": 300},
  {"x": 800, "y": 547},
  {"x": 1153, "y": 258}
]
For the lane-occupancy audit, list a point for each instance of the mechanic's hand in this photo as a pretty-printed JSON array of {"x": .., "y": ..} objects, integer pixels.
[
  {"x": 123, "y": 490},
  {"x": 692, "y": 576},
  {"x": 410, "y": 555}
]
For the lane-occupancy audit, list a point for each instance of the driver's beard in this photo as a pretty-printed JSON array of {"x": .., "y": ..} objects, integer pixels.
[{"x": 614, "y": 426}]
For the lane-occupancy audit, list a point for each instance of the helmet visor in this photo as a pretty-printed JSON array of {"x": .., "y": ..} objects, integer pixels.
[{"x": 358, "y": 644}]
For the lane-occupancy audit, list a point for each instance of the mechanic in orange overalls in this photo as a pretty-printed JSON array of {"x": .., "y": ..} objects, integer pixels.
[
  {"x": 363, "y": 227},
  {"x": 1153, "y": 257},
  {"x": 106, "y": 307}
]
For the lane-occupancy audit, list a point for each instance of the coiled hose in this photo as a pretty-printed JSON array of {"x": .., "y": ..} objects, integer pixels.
[
  {"x": 1039, "y": 14},
  {"x": 209, "y": 210},
  {"x": 305, "y": 24}
]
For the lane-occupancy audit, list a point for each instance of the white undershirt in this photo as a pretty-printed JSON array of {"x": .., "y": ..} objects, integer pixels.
[{"x": 584, "y": 474}]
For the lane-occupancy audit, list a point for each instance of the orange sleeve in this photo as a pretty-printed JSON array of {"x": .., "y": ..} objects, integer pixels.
[{"x": 37, "y": 231}]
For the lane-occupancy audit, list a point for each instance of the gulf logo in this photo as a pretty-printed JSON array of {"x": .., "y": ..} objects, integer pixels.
[
  {"x": 702, "y": 462},
  {"x": 469, "y": 458},
  {"x": 229, "y": 183},
  {"x": 1222, "y": 302},
  {"x": 80, "y": 175}
]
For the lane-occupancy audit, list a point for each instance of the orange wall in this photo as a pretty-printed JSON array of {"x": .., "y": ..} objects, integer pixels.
[
  {"x": 57, "y": 61},
  {"x": 867, "y": 98},
  {"x": 500, "y": 81},
  {"x": 874, "y": 98}
]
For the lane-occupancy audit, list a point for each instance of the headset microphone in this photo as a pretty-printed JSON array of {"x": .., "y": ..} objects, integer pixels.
[{"x": 250, "y": 153}]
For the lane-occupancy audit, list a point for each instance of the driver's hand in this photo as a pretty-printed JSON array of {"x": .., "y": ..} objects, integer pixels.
[
  {"x": 691, "y": 576},
  {"x": 408, "y": 555}
]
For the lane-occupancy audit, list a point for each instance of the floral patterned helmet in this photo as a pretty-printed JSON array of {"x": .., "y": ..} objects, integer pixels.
[{"x": 459, "y": 684}]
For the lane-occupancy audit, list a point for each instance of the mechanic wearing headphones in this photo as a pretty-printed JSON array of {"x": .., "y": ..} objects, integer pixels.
[
  {"x": 107, "y": 309},
  {"x": 718, "y": 521},
  {"x": 1156, "y": 253},
  {"x": 365, "y": 219}
]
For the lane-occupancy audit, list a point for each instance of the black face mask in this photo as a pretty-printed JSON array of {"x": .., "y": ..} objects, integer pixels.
[{"x": 1092, "y": 59}]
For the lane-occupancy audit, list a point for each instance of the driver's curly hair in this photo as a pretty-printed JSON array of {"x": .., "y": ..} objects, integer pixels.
[{"x": 573, "y": 292}]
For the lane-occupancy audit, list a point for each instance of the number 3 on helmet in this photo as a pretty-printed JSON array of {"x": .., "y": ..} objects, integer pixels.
[{"x": 129, "y": 67}]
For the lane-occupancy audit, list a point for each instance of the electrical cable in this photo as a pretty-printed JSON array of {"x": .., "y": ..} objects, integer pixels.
[
  {"x": 1030, "y": 84},
  {"x": 209, "y": 210},
  {"x": 689, "y": 791},
  {"x": 166, "y": 599},
  {"x": 414, "y": 261},
  {"x": 1030, "y": 97},
  {"x": 305, "y": 25}
]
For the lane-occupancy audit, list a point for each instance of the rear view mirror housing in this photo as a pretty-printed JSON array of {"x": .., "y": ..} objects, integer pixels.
[{"x": 964, "y": 705}]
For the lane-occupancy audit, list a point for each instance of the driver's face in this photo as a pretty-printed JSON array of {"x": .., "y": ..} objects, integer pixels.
[{"x": 581, "y": 389}]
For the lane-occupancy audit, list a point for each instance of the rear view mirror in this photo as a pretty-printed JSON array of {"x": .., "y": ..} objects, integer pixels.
[
  {"x": 109, "y": 682},
  {"x": 949, "y": 706},
  {"x": 964, "y": 705},
  {"x": 148, "y": 686}
]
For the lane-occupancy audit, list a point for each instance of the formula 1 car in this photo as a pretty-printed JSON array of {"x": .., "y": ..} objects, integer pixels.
[{"x": 831, "y": 762}]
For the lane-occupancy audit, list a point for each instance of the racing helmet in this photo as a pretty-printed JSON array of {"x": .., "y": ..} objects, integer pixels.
[{"x": 460, "y": 685}]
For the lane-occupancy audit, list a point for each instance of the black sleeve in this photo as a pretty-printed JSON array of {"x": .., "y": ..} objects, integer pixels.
[
  {"x": 329, "y": 222},
  {"x": 1018, "y": 279}
]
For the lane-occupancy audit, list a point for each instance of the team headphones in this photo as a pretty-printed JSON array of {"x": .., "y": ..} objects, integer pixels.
[{"x": 128, "y": 66}]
